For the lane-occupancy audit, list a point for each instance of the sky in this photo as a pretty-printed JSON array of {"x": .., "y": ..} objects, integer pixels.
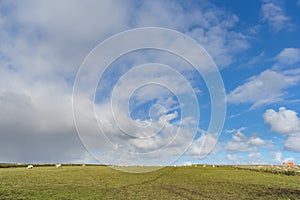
[{"x": 60, "y": 104}]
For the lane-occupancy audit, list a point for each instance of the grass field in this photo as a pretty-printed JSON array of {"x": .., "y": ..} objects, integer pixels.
[{"x": 100, "y": 182}]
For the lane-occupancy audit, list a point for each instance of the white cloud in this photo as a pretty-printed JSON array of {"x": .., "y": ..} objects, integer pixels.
[
  {"x": 289, "y": 159},
  {"x": 235, "y": 158},
  {"x": 275, "y": 15},
  {"x": 255, "y": 158},
  {"x": 203, "y": 146},
  {"x": 285, "y": 122},
  {"x": 254, "y": 60},
  {"x": 278, "y": 157},
  {"x": 211, "y": 27},
  {"x": 143, "y": 145},
  {"x": 235, "y": 130},
  {"x": 255, "y": 141},
  {"x": 288, "y": 56},
  {"x": 161, "y": 142},
  {"x": 242, "y": 143},
  {"x": 246, "y": 149},
  {"x": 219, "y": 41},
  {"x": 268, "y": 87},
  {"x": 292, "y": 142},
  {"x": 250, "y": 158}
]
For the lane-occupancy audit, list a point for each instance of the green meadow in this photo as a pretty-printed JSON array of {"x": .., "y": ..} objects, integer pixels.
[{"x": 101, "y": 182}]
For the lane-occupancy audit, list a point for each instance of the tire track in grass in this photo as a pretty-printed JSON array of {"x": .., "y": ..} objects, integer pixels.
[
  {"x": 149, "y": 181},
  {"x": 185, "y": 193},
  {"x": 262, "y": 190},
  {"x": 179, "y": 191},
  {"x": 152, "y": 182}
]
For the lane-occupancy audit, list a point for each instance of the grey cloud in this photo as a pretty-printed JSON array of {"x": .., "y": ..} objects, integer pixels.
[{"x": 25, "y": 138}]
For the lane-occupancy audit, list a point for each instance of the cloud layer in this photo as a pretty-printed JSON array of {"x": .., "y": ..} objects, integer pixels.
[{"x": 43, "y": 44}]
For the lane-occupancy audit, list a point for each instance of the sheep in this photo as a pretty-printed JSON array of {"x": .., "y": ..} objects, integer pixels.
[
  {"x": 84, "y": 166},
  {"x": 29, "y": 166},
  {"x": 204, "y": 165},
  {"x": 213, "y": 166},
  {"x": 58, "y": 165}
]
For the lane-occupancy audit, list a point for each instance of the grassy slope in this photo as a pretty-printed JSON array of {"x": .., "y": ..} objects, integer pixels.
[{"x": 98, "y": 182}]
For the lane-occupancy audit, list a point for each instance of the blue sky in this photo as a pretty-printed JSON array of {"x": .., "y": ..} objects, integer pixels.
[{"x": 255, "y": 45}]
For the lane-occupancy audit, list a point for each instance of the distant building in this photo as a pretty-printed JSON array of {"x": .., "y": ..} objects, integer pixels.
[{"x": 288, "y": 164}]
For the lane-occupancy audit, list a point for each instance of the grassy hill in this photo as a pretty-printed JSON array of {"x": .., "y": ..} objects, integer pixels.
[{"x": 101, "y": 182}]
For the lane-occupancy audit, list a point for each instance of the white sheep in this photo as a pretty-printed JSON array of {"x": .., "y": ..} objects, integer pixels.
[
  {"x": 29, "y": 166},
  {"x": 58, "y": 165},
  {"x": 84, "y": 165},
  {"x": 213, "y": 166},
  {"x": 204, "y": 165}
]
